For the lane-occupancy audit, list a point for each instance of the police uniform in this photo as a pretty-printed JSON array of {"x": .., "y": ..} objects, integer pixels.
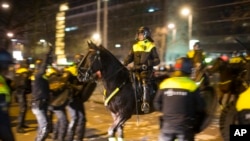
[
  {"x": 237, "y": 65},
  {"x": 5, "y": 123},
  {"x": 198, "y": 57},
  {"x": 144, "y": 55},
  {"x": 40, "y": 99},
  {"x": 243, "y": 107},
  {"x": 179, "y": 100}
]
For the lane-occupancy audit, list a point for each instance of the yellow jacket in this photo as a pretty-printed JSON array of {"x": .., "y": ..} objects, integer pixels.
[
  {"x": 243, "y": 102},
  {"x": 4, "y": 89}
]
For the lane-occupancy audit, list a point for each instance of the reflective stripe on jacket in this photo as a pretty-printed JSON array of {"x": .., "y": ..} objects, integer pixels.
[
  {"x": 72, "y": 70},
  {"x": 179, "y": 83},
  {"x": 4, "y": 89},
  {"x": 22, "y": 70}
]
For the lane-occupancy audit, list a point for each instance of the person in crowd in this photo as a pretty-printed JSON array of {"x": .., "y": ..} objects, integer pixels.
[
  {"x": 22, "y": 84},
  {"x": 237, "y": 62},
  {"x": 41, "y": 97},
  {"x": 59, "y": 99},
  {"x": 144, "y": 56},
  {"x": 79, "y": 93},
  {"x": 182, "y": 107},
  {"x": 5, "y": 126},
  {"x": 197, "y": 55},
  {"x": 242, "y": 103}
]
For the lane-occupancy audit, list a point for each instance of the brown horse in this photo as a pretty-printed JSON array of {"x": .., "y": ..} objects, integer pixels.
[{"x": 120, "y": 95}]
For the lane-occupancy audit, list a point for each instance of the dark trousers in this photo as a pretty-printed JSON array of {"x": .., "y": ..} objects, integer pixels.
[
  {"x": 77, "y": 120},
  {"x": 188, "y": 136},
  {"x": 244, "y": 117},
  {"x": 22, "y": 102},
  {"x": 5, "y": 127}
]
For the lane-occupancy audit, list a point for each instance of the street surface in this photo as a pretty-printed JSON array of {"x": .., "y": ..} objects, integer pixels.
[{"x": 138, "y": 128}]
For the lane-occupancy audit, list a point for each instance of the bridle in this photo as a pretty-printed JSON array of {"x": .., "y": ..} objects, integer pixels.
[{"x": 85, "y": 74}]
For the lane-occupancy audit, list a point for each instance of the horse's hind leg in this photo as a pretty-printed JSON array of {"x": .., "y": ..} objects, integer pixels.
[
  {"x": 117, "y": 126},
  {"x": 120, "y": 134},
  {"x": 112, "y": 129}
]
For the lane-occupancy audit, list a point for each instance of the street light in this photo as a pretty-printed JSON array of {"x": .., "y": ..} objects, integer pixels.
[
  {"x": 187, "y": 12},
  {"x": 10, "y": 34},
  {"x": 96, "y": 38},
  {"x": 171, "y": 26},
  {"x": 5, "y": 5}
]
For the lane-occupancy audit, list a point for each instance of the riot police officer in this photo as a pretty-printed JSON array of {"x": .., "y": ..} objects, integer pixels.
[
  {"x": 22, "y": 88},
  {"x": 41, "y": 97},
  {"x": 180, "y": 102},
  {"x": 5, "y": 126},
  {"x": 242, "y": 103},
  {"x": 144, "y": 55},
  {"x": 243, "y": 107}
]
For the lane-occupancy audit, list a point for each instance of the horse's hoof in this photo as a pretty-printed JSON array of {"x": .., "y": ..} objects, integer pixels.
[{"x": 112, "y": 139}]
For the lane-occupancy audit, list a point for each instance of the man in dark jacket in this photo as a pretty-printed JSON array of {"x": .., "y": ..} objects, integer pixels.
[
  {"x": 41, "y": 97},
  {"x": 22, "y": 88},
  {"x": 144, "y": 56},
  {"x": 178, "y": 98}
]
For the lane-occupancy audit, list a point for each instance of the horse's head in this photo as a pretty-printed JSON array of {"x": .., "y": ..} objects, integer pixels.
[{"x": 90, "y": 64}]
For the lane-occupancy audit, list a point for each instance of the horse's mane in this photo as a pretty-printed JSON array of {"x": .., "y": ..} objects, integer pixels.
[
  {"x": 117, "y": 70},
  {"x": 111, "y": 55}
]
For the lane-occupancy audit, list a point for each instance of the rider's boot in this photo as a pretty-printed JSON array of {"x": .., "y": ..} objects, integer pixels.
[{"x": 145, "y": 107}]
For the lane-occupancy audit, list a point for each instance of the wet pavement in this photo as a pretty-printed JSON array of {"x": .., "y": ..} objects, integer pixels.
[{"x": 138, "y": 128}]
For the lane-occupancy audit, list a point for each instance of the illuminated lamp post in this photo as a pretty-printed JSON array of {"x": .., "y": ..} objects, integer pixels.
[
  {"x": 172, "y": 27},
  {"x": 187, "y": 12}
]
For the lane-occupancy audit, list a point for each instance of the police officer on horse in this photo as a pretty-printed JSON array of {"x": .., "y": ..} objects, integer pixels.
[
  {"x": 144, "y": 55},
  {"x": 197, "y": 56}
]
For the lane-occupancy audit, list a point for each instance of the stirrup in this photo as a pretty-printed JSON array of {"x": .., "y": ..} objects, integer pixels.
[{"x": 145, "y": 107}]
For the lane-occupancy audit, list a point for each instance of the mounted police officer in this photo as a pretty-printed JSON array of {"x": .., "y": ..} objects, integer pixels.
[
  {"x": 144, "y": 55},
  {"x": 180, "y": 102},
  {"x": 41, "y": 97},
  {"x": 198, "y": 57},
  {"x": 22, "y": 88},
  {"x": 5, "y": 97}
]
